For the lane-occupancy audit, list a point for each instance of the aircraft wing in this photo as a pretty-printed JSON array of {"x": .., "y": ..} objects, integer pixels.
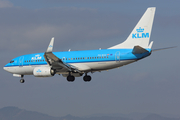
[{"x": 57, "y": 63}]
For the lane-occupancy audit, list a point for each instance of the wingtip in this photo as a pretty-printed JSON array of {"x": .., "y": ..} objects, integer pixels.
[{"x": 50, "y": 47}]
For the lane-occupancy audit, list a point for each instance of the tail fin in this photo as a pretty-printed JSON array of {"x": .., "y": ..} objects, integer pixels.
[{"x": 141, "y": 33}]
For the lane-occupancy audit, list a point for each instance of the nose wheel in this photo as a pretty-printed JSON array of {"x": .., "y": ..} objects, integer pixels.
[{"x": 22, "y": 80}]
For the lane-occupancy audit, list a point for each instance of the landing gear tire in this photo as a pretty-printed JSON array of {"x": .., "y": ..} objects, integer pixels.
[
  {"x": 22, "y": 81},
  {"x": 87, "y": 78},
  {"x": 70, "y": 78}
]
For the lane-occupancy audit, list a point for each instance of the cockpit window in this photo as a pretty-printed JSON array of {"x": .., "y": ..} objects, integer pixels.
[{"x": 11, "y": 61}]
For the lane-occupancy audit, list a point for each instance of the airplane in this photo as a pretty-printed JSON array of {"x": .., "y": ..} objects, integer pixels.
[{"x": 73, "y": 64}]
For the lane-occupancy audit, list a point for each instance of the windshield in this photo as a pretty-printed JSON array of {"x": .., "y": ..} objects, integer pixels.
[{"x": 11, "y": 61}]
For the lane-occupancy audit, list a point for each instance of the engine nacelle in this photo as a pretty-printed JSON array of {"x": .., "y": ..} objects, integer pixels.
[{"x": 43, "y": 72}]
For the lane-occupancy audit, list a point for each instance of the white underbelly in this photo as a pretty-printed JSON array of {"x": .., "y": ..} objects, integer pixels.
[
  {"x": 100, "y": 66},
  {"x": 22, "y": 70}
]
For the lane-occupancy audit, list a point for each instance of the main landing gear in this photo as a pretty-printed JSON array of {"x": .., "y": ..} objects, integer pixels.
[
  {"x": 70, "y": 78},
  {"x": 22, "y": 80},
  {"x": 87, "y": 78}
]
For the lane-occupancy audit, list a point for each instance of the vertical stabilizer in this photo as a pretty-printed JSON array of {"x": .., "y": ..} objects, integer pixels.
[{"x": 141, "y": 33}]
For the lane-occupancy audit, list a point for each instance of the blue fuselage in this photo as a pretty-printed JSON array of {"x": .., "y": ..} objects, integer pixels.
[{"x": 73, "y": 57}]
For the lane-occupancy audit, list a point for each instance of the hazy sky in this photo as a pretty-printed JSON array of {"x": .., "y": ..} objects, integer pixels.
[{"x": 149, "y": 85}]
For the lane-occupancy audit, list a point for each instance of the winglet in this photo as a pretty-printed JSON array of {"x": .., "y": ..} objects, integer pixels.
[{"x": 50, "y": 47}]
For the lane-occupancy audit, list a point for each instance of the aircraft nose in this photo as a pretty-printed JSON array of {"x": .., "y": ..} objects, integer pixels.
[{"x": 5, "y": 68}]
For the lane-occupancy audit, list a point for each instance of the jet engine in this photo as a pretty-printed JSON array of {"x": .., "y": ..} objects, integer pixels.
[{"x": 43, "y": 72}]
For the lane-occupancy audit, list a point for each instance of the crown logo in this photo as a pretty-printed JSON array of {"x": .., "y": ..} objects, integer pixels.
[
  {"x": 140, "y": 29},
  {"x": 38, "y": 70},
  {"x": 50, "y": 46}
]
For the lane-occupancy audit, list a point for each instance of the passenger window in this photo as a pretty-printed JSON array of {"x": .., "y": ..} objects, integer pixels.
[
  {"x": 29, "y": 60},
  {"x": 92, "y": 57},
  {"x": 107, "y": 56}
]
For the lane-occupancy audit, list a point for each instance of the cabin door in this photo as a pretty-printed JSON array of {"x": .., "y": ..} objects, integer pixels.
[
  {"x": 21, "y": 61},
  {"x": 117, "y": 56}
]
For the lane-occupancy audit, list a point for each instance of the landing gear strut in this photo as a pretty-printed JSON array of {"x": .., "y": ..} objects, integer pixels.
[
  {"x": 22, "y": 80},
  {"x": 87, "y": 78},
  {"x": 70, "y": 78}
]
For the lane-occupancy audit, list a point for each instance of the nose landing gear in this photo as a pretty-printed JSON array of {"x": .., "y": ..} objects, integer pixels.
[{"x": 22, "y": 80}]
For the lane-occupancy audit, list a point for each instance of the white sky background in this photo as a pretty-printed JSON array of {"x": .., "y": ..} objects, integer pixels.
[{"x": 149, "y": 85}]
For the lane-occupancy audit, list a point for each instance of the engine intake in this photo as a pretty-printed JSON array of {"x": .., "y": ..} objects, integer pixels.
[{"x": 43, "y": 72}]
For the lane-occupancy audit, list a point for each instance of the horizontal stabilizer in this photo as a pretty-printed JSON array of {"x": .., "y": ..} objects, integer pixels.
[
  {"x": 163, "y": 48},
  {"x": 139, "y": 50}
]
